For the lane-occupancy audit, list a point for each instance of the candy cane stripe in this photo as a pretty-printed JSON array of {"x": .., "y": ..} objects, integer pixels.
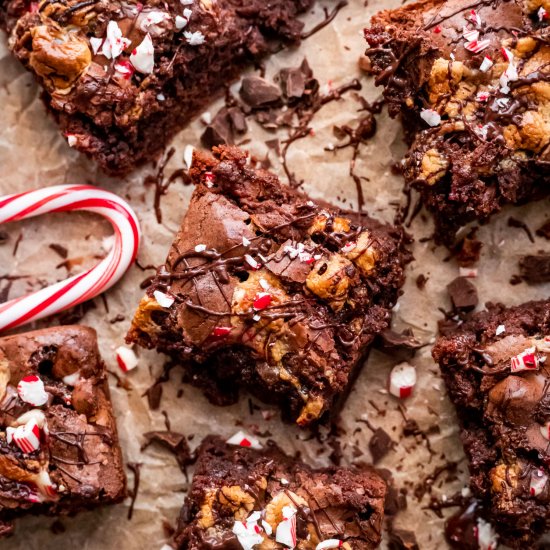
[{"x": 86, "y": 285}]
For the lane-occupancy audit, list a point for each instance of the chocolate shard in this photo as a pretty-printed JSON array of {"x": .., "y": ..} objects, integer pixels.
[
  {"x": 401, "y": 539},
  {"x": 219, "y": 131},
  {"x": 258, "y": 92},
  {"x": 399, "y": 345},
  {"x": 293, "y": 83},
  {"x": 463, "y": 294},
  {"x": 535, "y": 269},
  {"x": 380, "y": 445}
]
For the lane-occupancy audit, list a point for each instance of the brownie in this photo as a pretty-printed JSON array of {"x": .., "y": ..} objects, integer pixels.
[
  {"x": 122, "y": 77},
  {"x": 59, "y": 451},
  {"x": 241, "y": 497},
  {"x": 498, "y": 377},
  {"x": 268, "y": 289},
  {"x": 471, "y": 83}
]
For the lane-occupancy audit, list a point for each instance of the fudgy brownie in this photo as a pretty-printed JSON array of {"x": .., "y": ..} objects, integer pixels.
[
  {"x": 471, "y": 83},
  {"x": 265, "y": 288},
  {"x": 497, "y": 373},
  {"x": 59, "y": 451},
  {"x": 122, "y": 77},
  {"x": 246, "y": 498}
]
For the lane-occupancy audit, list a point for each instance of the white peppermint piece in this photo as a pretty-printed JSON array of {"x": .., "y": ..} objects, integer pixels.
[
  {"x": 468, "y": 272},
  {"x": 126, "y": 358},
  {"x": 153, "y": 18},
  {"x": 470, "y": 35},
  {"x": 194, "y": 38},
  {"x": 36, "y": 415},
  {"x": 247, "y": 535},
  {"x": 188, "y": 156},
  {"x": 71, "y": 379},
  {"x": 501, "y": 329},
  {"x": 31, "y": 390},
  {"x": 486, "y": 64},
  {"x": 200, "y": 248},
  {"x": 267, "y": 528},
  {"x": 328, "y": 544},
  {"x": 186, "y": 2},
  {"x": 182, "y": 20},
  {"x": 286, "y": 530},
  {"x": 166, "y": 547},
  {"x": 72, "y": 140},
  {"x": 163, "y": 300},
  {"x": 251, "y": 261},
  {"x": 114, "y": 43},
  {"x": 143, "y": 57},
  {"x": 95, "y": 43},
  {"x": 487, "y": 538},
  {"x": 246, "y": 242},
  {"x": 431, "y": 117},
  {"x": 161, "y": 97},
  {"x": 242, "y": 439},
  {"x": 542, "y": 14},
  {"x": 402, "y": 380}
]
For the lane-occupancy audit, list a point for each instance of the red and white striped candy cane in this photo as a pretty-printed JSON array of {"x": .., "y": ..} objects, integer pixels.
[{"x": 86, "y": 285}]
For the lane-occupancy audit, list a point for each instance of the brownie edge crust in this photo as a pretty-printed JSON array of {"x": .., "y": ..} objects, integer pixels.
[
  {"x": 59, "y": 451},
  {"x": 122, "y": 77},
  {"x": 471, "y": 82},
  {"x": 497, "y": 374},
  {"x": 266, "y": 289},
  {"x": 242, "y": 498}
]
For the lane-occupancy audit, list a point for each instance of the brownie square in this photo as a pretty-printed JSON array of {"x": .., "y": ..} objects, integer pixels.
[
  {"x": 267, "y": 289},
  {"x": 122, "y": 77},
  {"x": 244, "y": 498},
  {"x": 59, "y": 451},
  {"x": 497, "y": 373},
  {"x": 471, "y": 83}
]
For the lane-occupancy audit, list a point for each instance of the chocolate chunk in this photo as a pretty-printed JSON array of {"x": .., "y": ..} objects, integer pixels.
[
  {"x": 463, "y": 294},
  {"x": 293, "y": 83},
  {"x": 380, "y": 444},
  {"x": 237, "y": 120},
  {"x": 175, "y": 442},
  {"x": 400, "y": 345},
  {"x": 400, "y": 539},
  {"x": 258, "y": 92},
  {"x": 535, "y": 268}
]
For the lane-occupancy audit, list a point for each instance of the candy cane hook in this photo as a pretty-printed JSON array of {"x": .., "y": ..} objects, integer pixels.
[{"x": 86, "y": 285}]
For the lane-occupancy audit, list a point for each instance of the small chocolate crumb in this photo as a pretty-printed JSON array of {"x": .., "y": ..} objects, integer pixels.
[
  {"x": 421, "y": 281},
  {"x": 463, "y": 294}
]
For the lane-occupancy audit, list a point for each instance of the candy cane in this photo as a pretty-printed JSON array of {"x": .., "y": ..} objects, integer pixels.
[{"x": 86, "y": 285}]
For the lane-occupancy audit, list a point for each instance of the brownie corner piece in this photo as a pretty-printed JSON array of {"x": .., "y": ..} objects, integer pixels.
[
  {"x": 470, "y": 83},
  {"x": 497, "y": 373},
  {"x": 246, "y": 498},
  {"x": 121, "y": 78},
  {"x": 267, "y": 289},
  {"x": 59, "y": 450}
]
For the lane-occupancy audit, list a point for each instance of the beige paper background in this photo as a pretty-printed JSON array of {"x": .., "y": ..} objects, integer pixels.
[{"x": 33, "y": 154}]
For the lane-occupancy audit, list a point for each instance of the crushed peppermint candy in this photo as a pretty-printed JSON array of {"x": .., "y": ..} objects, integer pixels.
[
  {"x": 114, "y": 43},
  {"x": 194, "y": 38},
  {"x": 26, "y": 437},
  {"x": 71, "y": 140},
  {"x": 477, "y": 46},
  {"x": 329, "y": 544},
  {"x": 482, "y": 96},
  {"x": 402, "y": 380},
  {"x": 248, "y": 532},
  {"x": 246, "y": 242},
  {"x": 526, "y": 360},
  {"x": 487, "y": 538},
  {"x": 542, "y": 14},
  {"x": 468, "y": 272},
  {"x": 124, "y": 69},
  {"x": 261, "y": 301},
  {"x": 31, "y": 390},
  {"x": 348, "y": 247},
  {"x": 152, "y": 19},
  {"x": 251, "y": 261},
  {"x": 200, "y": 248},
  {"x": 183, "y": 20},
  {"x": 537, "y": 482},
  {"x": 286, "y": 530},
  {"x": 95, "y": 43},
  {"x": 501, "y": 329},
  {"x": 470, "y": 35},
  {"x": 486, "y": 64},
  {"x": 475, "y": 18},
  {"x": 243, "y": 439},
  {"x": 508, "y": 55},
  {"x": 71, "y": 379},
  {"x": 163, "y": 300},
  {"x": 126, "y": 358},
  {"x": 264, "y": 284},
  {"x": 188, "y": 156},
  {"x": 431, "y": 117},
  {"x": 267, "y": 528},
  {"x": 143, "y": 56},
  {"x": 221, "y": 332}
]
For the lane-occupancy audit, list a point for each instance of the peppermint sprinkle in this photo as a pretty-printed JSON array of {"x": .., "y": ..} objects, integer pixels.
[
  {"x": 163, "y": 299},
  {"x": 243, "y": 439},
  {"x": 95, "y": 43},
  {"x": 264, "y": 284},
  {"x": 431, "y": 117},
  {"x": 508, "y": 55},
  {"x": 194, "y": 38},
  {"x": 537, "y": 482},
  {"x": 526, "y": 360},
  {"x": 470, "y": 36},
  {"x": 154, "y": 18},
  {"x": 143, "y": 57},
  {"x": 486, "y": 64},
  {"x": 246, "y": 242},
  {"x": 248, "y": 532},
  {"x": 71, "y": 140}
]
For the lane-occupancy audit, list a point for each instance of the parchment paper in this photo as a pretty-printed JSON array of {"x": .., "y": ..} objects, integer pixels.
[{"x": 33, "y": 154}]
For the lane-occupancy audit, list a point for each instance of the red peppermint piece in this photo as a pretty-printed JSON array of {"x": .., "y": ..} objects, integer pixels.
[
  {"x": 526, "y": 360},
  {"x": 26, "y": 437},
  {"x": 537, "y": 482},
  {"x": 221, "y": 332},
  {"x": 262, "y": 300},
  {"x": 243, "y": 439},
  {"x": 31, "y": 390},
  {"x": 126, "y": 358},
  {"x": 402, "y": 380},
  {"x": 125, "y": 69},
  {"x": 437, "y": 29}
]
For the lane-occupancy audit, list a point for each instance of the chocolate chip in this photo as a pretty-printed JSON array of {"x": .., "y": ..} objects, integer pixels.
[
  {"x": 535, "y": 268},
  {"x": 463, "y": 294},
  {"x": 379, "y": 445},
  {"x": 258, "y": 92},
  {"x": 421, "y": 281}
]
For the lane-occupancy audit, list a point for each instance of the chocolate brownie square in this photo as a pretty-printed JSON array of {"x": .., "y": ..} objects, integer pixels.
[
  {"x": 267, "y": 289},
  {"x": 59, "y": 451},
  {"x": 122, "y": 77},
  {"x": 244, "y": 498},
  {"x": 471, "y": 83},
  {"x": 497, "y": 373}
]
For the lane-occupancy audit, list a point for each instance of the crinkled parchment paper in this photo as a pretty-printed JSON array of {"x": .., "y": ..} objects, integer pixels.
[{"x": 33, "y": 154}]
